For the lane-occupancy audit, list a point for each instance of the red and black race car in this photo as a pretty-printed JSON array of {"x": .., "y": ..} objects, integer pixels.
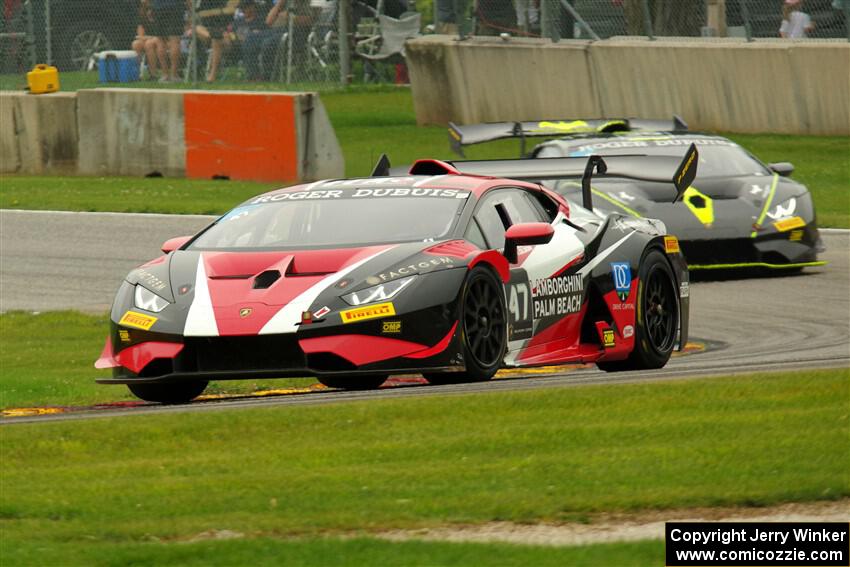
[{"x": 441, "y": 271}]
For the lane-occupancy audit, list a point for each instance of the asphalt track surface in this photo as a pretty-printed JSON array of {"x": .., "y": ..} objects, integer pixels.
[{"x": 54, "y": 261}]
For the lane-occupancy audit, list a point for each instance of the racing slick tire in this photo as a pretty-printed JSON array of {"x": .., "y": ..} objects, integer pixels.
[
  {"x": 353, "y": 382},
  {"x": 171, "y": 393},
  {"x": 657, "y": 318},
  {"x": 483, "y": 329}
]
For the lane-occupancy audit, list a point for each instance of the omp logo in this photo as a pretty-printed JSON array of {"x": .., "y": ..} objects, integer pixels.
[
  {"x": 137, "y": 320},
  {"x": 391, "y": 327},
  {"x": 671, "y": 244},
  {"x": 364, "y": 313},
  {"x": 608, "y": 338}
]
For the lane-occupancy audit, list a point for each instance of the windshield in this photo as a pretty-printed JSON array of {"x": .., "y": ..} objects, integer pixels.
[
  {"x": 340, "y": 221},
  {"x": 717, "y": 158}
]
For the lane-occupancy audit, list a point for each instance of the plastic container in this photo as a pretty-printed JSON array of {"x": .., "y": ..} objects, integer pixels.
[
  {"x": 43, "y": 79},
  {"x": 118, "y": 66}
]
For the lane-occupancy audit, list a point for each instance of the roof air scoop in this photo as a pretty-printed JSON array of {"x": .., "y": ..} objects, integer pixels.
[
  {"x": 433, "y": 167},
  {"x": 266, "y": 279}
]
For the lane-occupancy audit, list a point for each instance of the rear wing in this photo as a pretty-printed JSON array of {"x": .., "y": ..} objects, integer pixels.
[
  {"x": 659, "y": 169},
  {"x": 460, "y": 136}
]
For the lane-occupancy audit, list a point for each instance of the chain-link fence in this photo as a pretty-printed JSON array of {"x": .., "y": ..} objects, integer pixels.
[
  {"x": 294, "y": 42},
  {"x": 310, "y": 43},
  {"x": 601, "y": 19}
]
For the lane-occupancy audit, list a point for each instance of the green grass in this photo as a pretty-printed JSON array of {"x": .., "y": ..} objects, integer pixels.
[
  {"x": 125, "y": 194},
  {"x": 48, "y": 359},
  {"x": 363, "y": 132},
  {"x": 365, "y": 551},
  {"x": 230, "y": 79},
  {"x": 373, "y": 120},
  {"x": 82, "y": 489}
]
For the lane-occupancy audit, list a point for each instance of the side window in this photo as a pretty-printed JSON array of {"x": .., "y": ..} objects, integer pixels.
[
  {"x": 474, "y": 235},
  {"x": 515, "y": 204},
  {"x": 521, "y": 209},
  {"x": 544, "y": 205},
  {"x": 491, "y": 223}
]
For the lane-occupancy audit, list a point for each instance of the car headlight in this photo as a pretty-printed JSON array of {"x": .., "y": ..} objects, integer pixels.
[
  {"x": 784, "y": 209},
  {"x": 148, "y": 300},
  {"x": 380, "y": 292}
]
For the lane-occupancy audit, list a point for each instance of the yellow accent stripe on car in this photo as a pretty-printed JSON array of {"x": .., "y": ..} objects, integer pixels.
[
  {"x": 705, "y": 214},
  {"x": 614, "y": 201},
  {"x": 608, "y": 198},
  {"x": 755, "y": 265},
  {"x": 767, "y": 204},
  {"x": 561, "y": 126}
]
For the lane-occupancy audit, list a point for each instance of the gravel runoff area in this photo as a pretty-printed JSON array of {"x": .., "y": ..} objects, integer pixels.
[{"x": 609, "y": 528}]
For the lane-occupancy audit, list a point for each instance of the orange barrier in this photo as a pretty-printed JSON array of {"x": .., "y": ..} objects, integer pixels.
[
  {"x": 240, "y": 136},
  {"x": 270, "y": 137}
]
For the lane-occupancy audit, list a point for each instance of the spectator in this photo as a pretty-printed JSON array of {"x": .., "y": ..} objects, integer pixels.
[
  {"x": 142, "y": 40},
  {"x": 795, "y": 22},
  {"x": 257, "y": 38},
  {"x": 528, "y": 16},
  {"x": 215, "y": 17},
  {"x": 168, "y": 19},
  {"x": 248, "y": 21},
  {"x": 448, "y": 15},
  {"x": 301, "y": 14}
]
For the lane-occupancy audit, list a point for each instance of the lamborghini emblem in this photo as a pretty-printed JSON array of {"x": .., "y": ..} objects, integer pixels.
[{"x": 245, "y": 311}]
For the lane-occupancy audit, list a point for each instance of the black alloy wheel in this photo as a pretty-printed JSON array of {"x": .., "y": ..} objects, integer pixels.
[
  {"x": 484, "y": 330},
  {"x": 660, "y": 307},
  {"x": 169, "y": 393},
  {"x": 657, "y": 319}
]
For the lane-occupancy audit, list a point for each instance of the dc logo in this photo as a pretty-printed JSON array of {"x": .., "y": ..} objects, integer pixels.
[{"x": 622, "y": 274}]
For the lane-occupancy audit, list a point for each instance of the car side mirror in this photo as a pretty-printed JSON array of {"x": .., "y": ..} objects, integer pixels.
[
  {"x": 526, "y": 234},
  {"x": 783, "y": 168},
  {"x": 174, "y": 243}
]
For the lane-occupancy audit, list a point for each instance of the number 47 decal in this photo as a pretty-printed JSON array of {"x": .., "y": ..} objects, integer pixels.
[{"x": 518, "y": 302}]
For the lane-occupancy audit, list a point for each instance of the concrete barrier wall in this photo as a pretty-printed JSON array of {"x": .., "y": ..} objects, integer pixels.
[
  {"x": 481, "y": 78},
  {"x": 38, "y": 134},
  {"x": 10, "y": 154},
  {"x": 131, "y": 132},
  {"x": 282, "y": 137},
  {"x": 782, "y": 87}
]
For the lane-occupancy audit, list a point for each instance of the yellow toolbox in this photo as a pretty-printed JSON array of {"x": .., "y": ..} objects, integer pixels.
[{"x": 43, "y": 79}]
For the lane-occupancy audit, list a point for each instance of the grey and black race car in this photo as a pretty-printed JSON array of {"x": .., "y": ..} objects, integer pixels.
[
  {"x": 738, "y": 213},
  {"x": 442, "y": 271}
]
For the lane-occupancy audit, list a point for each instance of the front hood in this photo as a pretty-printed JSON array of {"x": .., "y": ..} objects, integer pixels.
[
  {"x": 713, "y": 208},
  {"x": 247, "y": 293}
]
